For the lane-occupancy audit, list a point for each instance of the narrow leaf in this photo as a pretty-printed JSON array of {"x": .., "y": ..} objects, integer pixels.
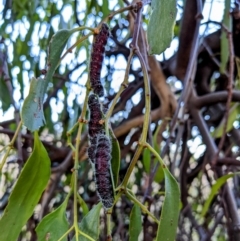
[
  {"x": 233, "y": 113},
  {"x": 135, "y": 225},
  {"x": 90, "y": 224},
  {"x": 147, "y": 162},
  {"x": 32, "y": 110},
  {"x": 26, "y": 193},
  {"x": 56, "y": 46},
  {"x": 219, "y": 182},
  {"x": 54, "y": 225},
  {"x": 83, "y": 205},
  {"x": 224, "y": 39},
  {"x": 167, "y": 228},
  {"x": 161, "y": 25},
  {"x": 116, "y": 158}
]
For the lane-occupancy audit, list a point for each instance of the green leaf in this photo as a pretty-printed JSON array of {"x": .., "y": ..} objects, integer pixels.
[
  {"x": 233, "y": 113},
  {"x": 105, "y": 8},
  {"x": 56, "y": 46},
  {"x": 26, "y": 193},
  {"x": 90, "y": 224},
  {"x": 83, "y": 205},
  {"x": 167, "y": 228},
  {"x": 214, "y": 190},
  {"x": 224, "y": 39},
  {"x": 4, "y": 95},
  {"x": 116, "y": 158},
  {"x": 135, "y": 225},
  {"x": 53, "y": 225},
  {"x": 32, "y": 110},
  {"x": 161, "y": 25},
  {"x": 146, "y": 165}
]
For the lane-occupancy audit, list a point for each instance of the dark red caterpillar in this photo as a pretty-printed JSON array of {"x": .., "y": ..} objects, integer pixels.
[
  {"x": 94, "y": 127},
  {"x": 97, "y": 59},
  {"x": 102, "y": 171}
]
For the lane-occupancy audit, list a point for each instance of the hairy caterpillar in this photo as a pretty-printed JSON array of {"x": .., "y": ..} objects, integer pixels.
[
  {"x": 94, "y": 127},
  {"x": 97, "y": 59},
  {"x": 102, "y": 171}
]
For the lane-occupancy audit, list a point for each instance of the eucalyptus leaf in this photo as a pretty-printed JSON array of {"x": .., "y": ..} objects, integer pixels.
[
  {"x": 26, "y": 193},
  {"x": 233, "y": 113},
  {"x": 32, "y": 110},
  {"x": 116, "y": 158},
  {"x": 161, "y": 25},
  {"x": 167, "y": 228},
  {"x": 135, "y": 225},
  {"x": 54, "y": 225},
  {"x": 224, "y": 38},
  {"x": 90, "y": 224},
  {"x": 214, "y": 190}
]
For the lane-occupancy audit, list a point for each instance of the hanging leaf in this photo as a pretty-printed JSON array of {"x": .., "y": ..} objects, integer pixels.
[
  {"x": 83, "y": 205},
  {"x": 146, "y": 165},
  {"x": 26, "y": 193},
  {"x": 135, "y": 225},
  {"x": 105, "y": 8},
  {"x": 167, "y": 228},
  {"x": 224, "y": 38},
  {"x": 56, "y": 46},
  {"x": 32, "y": 110},
  {"x": 116, "y": 158},
  {"x": 54, "y": 225},
  {"x": 90, "y": 224},
  {"x": 214, "y": 190},
  {"x": 161, "y": 25},
  {"x": 233, "y": 113}
]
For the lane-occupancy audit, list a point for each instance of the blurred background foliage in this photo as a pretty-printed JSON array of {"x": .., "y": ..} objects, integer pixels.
[{"x": 26, "y": 30}]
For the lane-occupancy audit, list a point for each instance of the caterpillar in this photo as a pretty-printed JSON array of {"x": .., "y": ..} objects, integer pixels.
[
  {"x": 97, "y": 59},
  {"x": 94, "y": 127},
  {"x": 102, "y": 171}
]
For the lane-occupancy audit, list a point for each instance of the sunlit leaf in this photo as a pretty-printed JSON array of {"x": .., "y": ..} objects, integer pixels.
[
  {"x": 54, "y": 225},
  {"x": 214, "y": 190},
  {"x": 233, "y": 113},
  {"x": 26, "y": 193},
  {"x": 32, "y": 110},
  {"x": 161, "y": 24},
  {"x": 135, "y": 225}
]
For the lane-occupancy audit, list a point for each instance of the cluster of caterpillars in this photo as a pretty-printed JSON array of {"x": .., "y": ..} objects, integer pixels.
[{"x": 99, "y": 151}]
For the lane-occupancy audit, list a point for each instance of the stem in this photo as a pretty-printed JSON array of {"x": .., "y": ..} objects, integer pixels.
[
  {"x": 109, "y": 230},
  {"x": 85, "y": 235},
  {"x": 10, "y": 145},
  {"x": 155, "y": 154},
  {"x": 74, "y": 45},
  {"x": 147, "y": 97},
  {"x": 121, "y": 10},
  {"x": 146, "y": 120},
  {"x": 143, "y": 207},
  {"x": 123, "y": 86},
  {"x": 132, "y": 165},
  {"x": 75, "y": 171},
  {"x": 65, "y": 234}
]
